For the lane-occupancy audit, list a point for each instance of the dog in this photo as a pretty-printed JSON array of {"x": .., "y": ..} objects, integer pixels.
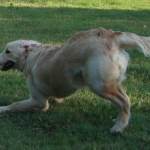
[{"x": 94, "y": 58}]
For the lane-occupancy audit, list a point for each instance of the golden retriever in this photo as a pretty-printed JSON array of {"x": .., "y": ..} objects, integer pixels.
[{"x": 94, "y": 58}]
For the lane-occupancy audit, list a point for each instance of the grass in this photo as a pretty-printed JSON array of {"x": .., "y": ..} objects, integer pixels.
[{"x": 83, "y": 121}]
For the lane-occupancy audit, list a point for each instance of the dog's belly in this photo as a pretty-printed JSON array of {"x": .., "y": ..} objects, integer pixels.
[
  {"x": 67, "y": 84},
  {"x": 57, "y": 84},
  {"x": 65, "y": 91}
]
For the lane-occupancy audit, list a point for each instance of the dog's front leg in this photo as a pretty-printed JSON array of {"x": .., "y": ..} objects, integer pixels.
[{"x": 27, "y": 105}]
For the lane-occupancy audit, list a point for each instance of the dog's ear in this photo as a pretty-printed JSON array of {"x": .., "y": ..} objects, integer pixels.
[{"x": 27, "y": 46}]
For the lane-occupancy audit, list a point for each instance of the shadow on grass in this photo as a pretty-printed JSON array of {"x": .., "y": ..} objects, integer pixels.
[{"x": 73, "y": 113}]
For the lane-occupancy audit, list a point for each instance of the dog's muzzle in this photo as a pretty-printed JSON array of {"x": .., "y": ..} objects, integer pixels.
[{"x": 8, "y": 65}]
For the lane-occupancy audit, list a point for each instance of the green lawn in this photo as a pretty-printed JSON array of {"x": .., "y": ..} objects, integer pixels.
[{"x": 83, "y": 121}]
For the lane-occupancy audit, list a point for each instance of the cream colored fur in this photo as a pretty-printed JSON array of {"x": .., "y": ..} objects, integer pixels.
[{"x": 94, "y": 58}]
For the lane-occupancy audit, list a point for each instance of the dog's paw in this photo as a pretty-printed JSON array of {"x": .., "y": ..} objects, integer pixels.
[
  {"x": 59, "y": 100},
  {"x": 115, "y": 130},
  {"x": 3, "y": 109},
  {"x": 55, "y": 100},
  {"x": 114, "y": 120}
]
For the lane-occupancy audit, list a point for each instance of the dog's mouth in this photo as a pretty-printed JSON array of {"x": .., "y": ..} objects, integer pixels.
[{"x": 8, "y": 65}]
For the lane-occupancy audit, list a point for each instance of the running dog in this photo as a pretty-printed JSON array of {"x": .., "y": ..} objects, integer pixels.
[{"x": 94, "y": 58}]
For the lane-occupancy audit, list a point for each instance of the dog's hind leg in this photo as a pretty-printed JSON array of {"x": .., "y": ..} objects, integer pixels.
[
  {"x": 102, "y": 77},
  {"x": 109, "y": 91},
  {"x": 122, "y": 92}
]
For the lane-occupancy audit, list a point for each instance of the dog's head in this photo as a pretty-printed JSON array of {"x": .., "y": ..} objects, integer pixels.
[{"x": 14, "y": 52}]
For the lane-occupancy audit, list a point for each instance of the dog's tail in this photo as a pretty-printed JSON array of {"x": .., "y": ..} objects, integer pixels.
[{"x": 127, "y": 40}]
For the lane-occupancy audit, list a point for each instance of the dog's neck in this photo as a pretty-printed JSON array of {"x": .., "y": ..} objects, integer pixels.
[{"x": 21, "y": 64}]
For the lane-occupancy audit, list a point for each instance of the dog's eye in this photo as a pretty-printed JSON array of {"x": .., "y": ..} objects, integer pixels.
[{"x": 7, "y": 51}]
